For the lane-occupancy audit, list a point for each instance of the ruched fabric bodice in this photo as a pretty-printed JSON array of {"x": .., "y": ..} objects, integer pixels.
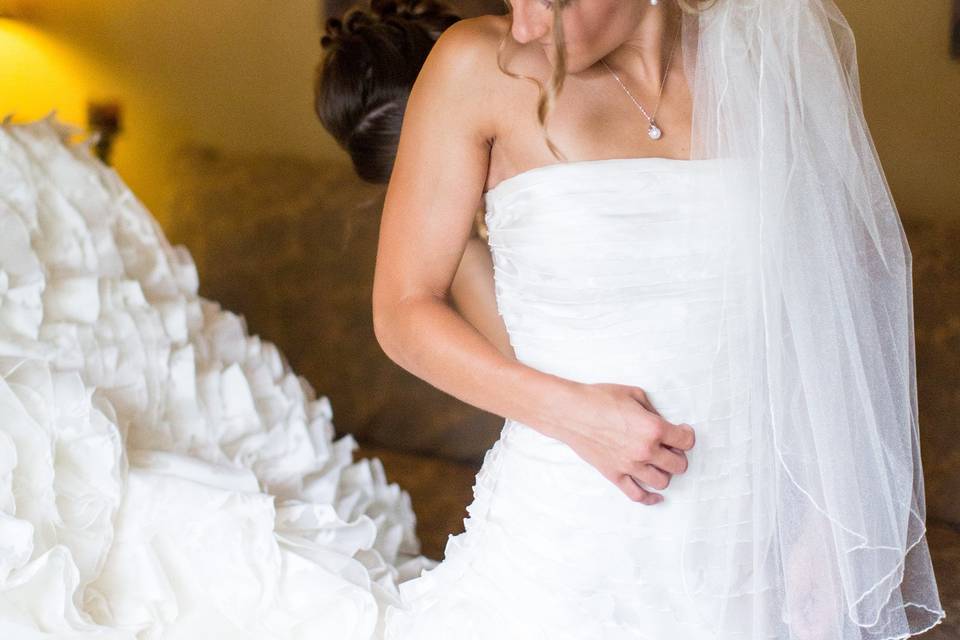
[
  {"x": 615, "y": 271},
  {"x": 610, "y": 271}
]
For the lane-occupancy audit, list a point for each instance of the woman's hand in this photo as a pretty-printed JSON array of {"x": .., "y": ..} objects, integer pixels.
[{"x": 617, "y": 430}]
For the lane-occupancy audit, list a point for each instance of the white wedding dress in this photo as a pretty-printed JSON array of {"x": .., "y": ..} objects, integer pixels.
[
  {"x": 606, "y": 271},
  {"x": 163, "y": 474}
]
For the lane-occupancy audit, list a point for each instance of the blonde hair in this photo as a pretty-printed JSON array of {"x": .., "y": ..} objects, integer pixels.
[{"x": 548, "y": 95}]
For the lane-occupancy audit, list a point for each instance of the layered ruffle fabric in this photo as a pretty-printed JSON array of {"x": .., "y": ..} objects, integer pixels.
[
  {"x": 163, "y": 474},
  {"x": 606, "y": 271}
]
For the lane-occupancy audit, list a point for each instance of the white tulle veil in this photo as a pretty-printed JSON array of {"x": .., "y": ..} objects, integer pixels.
[{"x": 817, "y": 340}]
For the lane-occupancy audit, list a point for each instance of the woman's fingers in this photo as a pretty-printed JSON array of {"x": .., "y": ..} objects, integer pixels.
[
  {"x": 636, "y": 448},
  {"x": 635, "y": 492},
  {"x": 650, "y": 475},
  {"x": 681, "y": 436},
  {"x": 641, "y": 396},
  {"x": 669, "y": 460}
]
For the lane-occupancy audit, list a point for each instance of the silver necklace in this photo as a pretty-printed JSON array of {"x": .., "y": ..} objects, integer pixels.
[{"x": 653, "y": 130}]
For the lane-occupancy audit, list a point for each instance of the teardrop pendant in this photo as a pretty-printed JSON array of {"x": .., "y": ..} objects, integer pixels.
[{"x": 654, "y": 131}]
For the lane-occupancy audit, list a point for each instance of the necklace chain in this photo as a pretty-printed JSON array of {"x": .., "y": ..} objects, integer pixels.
[{"x": 654, "y": 131}]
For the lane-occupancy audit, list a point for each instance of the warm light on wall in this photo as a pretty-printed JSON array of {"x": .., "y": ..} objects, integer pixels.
[
  {"x": 40, "y": 74},
  {"x": 9, "y": 9},
  {"x": 19, "y": 9}
]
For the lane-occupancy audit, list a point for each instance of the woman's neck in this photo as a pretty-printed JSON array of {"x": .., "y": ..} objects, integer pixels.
[{"x": 643, "y": 57}]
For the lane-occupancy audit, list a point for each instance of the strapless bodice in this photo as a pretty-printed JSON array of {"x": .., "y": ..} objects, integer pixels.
[{"x": 609, "y": 270}]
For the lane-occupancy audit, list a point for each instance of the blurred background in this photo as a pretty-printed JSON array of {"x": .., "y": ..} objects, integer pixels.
[{"x": 206, "y": 110}]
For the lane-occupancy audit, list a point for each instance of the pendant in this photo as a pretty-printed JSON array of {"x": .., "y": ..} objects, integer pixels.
[{"x": 654, "y": 131}]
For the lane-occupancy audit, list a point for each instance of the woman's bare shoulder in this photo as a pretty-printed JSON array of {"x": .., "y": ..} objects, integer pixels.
[
  {"x": 460, "y": 72},
  {"x": 464, "y": 60},
  {"x": 478, "y": 35},
  {"x": 469, "y": 46}
]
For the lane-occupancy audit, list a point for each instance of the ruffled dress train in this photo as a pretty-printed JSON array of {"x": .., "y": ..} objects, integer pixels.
[{"x": 163, "y": 473}]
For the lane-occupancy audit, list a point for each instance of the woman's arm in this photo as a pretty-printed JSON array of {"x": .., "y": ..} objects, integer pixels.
[
  {"x": 438, "y": 177},
  {"x": 437, "y": 180},
  {"x": 474, "y": 296}
]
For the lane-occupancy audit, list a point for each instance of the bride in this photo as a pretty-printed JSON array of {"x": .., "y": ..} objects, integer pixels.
[{"x": 710, "y": 423}]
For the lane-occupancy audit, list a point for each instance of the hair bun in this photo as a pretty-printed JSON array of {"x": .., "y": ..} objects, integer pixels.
[
  {"x": 434, "y": 15},
  {"x": 409, "y": 9},
  {"x": 336, "y": 29}
]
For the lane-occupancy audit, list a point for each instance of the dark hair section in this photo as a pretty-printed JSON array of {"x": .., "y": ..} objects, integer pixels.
[{"x": 371, "y": 58}]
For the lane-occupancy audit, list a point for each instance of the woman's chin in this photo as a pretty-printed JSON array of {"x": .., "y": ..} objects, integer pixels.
[{"x": 574, "y": 63}]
